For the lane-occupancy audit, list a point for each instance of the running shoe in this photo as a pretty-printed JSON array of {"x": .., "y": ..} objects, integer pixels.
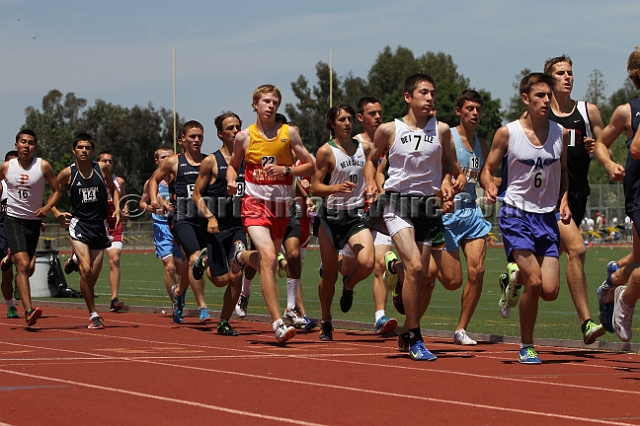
[
  {"x": 281, "y": 271},
  {"x": 241, "y": 306},
  {"x": 116, "y": 304},
  {"x": 203, "y": 313},
  {"x": 32, "y": 315},
  {"x": 605, "y": 298},
  {"x": 12, "y": 312},
  {"x": 200, "y": 265},
  {"x": 390, "y": 279},
  {"x": 504, "y": 308},
  {"x": 6, "y": 263},
  {"x": 70, "y": 266},
  {"x": 283, "y": 331},
  {"x": 419, "y": 352},
  {"x": 225, "y": 329},
  {"x": 326, "y": 331},
  {"x": 95, "y": 323},
  {"x": 622, "y": 315},
  {"x": 310, "y": 324},
  {"x": 178, "y": 305},
  {"x": 460, "y": 337},
  {"x": 396, "y": 297},
  {"x": 592, "y": 331},
  {"x": 321, "y": 270},
  {"x": 293, "y": 317},
  {"x": 528, "y": 355},
  {"x": 513, "y": 292},
  {"x": 385, "y": 326},
  {"x": 404, "y": 342},
  {"x": 346, "y": 300},
  {"x": 236, "y": 266}
]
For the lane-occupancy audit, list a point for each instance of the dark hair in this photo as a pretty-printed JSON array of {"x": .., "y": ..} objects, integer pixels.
[
  {"x": 367, "y": 100},
  {"x": 189, "y": 125},
  {"x": 84, "y": 137},
  {"x": 26, "y": 132},
  {"x": 10, "y": 154},
  {"x": 468, "y": 95},
  {"x": 549, "y": 63},
  {"x": 281, "y": 118},
  {"x": 220, "y": 119},
  {"x": 412, "y": 82},
  {"x": 333, "y": 113},
  {"x": 102, "y": 153},
  {"x": 535, "y": 78}
]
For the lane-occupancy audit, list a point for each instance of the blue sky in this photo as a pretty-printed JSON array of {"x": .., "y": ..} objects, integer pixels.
[{"x": 121, "y": 51}]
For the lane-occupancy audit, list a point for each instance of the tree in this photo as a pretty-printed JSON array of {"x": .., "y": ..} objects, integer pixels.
[
  {"x": 516, "y": 107},
  {"x": 595, "y": 90}
]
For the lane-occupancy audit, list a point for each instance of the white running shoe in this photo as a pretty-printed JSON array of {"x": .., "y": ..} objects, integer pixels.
[
  {"x": 283, "y": 331},
  {"x": 292, "y": 317},
  {"x": 460, "y": 337},
  {"x": 241, "y": 306},
  {"x": 238, "y": 247},
  {"x": 505, "y": 310},
  {"x": 513, "y": 291},
  {"x": 622, "y": 315}
]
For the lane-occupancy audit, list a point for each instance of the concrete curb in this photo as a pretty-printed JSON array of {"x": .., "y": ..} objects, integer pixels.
[{"x": 358, "y": 325}]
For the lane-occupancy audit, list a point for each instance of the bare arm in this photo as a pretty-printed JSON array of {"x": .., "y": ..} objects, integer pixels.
[
  {"x": 208, "y": 172},
  {"x": 63, "y": 179},
  {"x": 596, "y": 127},
  {"x": 56, "y": 194},
  {"x": 565, "y": 212},
  {"x": 619, "y": 123},
  {"x": 168, "y": 167},
  {"x": 635, "y": 146},
  {"x": 450, "y": 165},
  {"x": 325, "y": 163},
  {"x": 382, "y": 142},
  {"x": 115, "y": 194},
  {"x": 240, "y": 145},
  {"x": 498, "y": 150}
]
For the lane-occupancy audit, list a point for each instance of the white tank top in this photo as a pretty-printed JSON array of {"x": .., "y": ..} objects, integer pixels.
[
  {"x": 25, "y": 188},
  {"x": 415, "y": 160},
  {"x": 533, "y": 172},
  {"x": 349, "y": 168}
]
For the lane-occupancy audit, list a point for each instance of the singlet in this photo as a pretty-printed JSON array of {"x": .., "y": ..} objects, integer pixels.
[
  {"x": 226, "y": 208},
  {"x": 415, "y": 160},
  {"x": 263, "y": 151},
  {"x": 25, "y": 188},
  {"x": 163, "y": 191},
  {"x": 631, "y": 182},
  {"x": 578, "y": 159},
  {"x": 3, "y": 202},
  {"x": 531, "y": 174},
  {"x": 89, "y": 197},
  {"x": 184, "y": 185},
  {"x": 348, "y": 168},
  {"x": 470, "y": 162}
]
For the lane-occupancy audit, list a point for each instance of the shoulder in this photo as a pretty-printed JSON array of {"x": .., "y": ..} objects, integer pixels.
[
  {"x": 387, "y": 128},
  {"x": 208, "y": 162}
]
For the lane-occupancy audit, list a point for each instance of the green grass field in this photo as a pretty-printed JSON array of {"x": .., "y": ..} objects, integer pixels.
[{"x": 142, "y": 285}]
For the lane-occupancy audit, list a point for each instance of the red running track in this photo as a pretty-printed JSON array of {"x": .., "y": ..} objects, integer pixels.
[{"x": 144, "y": 370}]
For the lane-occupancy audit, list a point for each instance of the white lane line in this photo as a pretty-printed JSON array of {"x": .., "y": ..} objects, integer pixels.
[
  {"x": 165, "y": 399},
  {"x": 343, "y": 388}
]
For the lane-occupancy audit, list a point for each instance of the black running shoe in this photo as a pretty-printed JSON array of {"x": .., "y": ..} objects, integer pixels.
[
  {"x": 201, "y": 264},
  {"x": 225, "y": 329},
  {"x": 116, "y": 304},
  {"x": 346, "y": 300},
  {"x": 397, "y": 298},
  {"x": 326, "y": 331}
]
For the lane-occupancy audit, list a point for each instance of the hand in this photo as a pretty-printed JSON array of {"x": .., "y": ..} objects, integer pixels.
[
  {"x": 447, "y": 207},
  {"x": 565, "y": 212},
  {"x": 447, "y": 191},
  {"x": 589, "y": 144},
  {"x": 212, "y": 225},
  {"x": 116, "y": 214},
  {"x": 64, "y": 219},
  {"x": 490, "y": 194},
  {"x": 305, "y": 184},
  {"x": 346, "y": 187},
  {"x": 41, "y": 213},
  {"x": 371, "y": 193},
  {"x": 232, "y": 187},
  {"x": 274, "y": 170},
  {"x": 459, "y": 183},
  {"x": 616, "y": 172}
]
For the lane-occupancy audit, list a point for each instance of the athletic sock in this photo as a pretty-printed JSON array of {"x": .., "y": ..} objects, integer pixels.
[
  {"x": 379, "y": 314},
  {"x": 93, "y": 315},
  {"x": 292, "y": 291},
  {"x": 246, "y": 287},
  {"x": 526, "y": 345},
  {"x": 414, "y": 336},
  {"x": 391, "y": 265},
  {"x": 10, "y": 303},
  {"x": 74, "y": 258}
]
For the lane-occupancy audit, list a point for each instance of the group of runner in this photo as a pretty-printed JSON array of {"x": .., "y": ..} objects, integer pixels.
[{"x": 409, "y": 184}]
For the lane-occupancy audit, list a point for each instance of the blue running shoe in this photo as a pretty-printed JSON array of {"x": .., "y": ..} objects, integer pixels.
[
  {"x": 528, "y": 355},
  {"x": 178, "y": 305},
  {"x": 310, "y": 325},
  {"x": 419, "y": 352},
  {"x": 605, "y": 309},
  {"x": 385, "y": 326},
  {"x": 204, "y": 314}
]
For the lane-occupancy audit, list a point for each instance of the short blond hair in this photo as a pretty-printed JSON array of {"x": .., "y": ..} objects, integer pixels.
[
  {"x": 264, "y": 89},
  {"x": 633, "y": 67}
]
